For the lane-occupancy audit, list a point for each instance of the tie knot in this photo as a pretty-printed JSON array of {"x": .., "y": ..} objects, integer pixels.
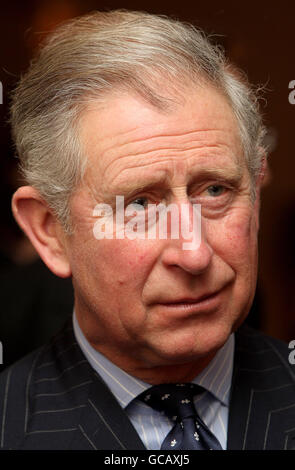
[{"x": 176, "y": 400}]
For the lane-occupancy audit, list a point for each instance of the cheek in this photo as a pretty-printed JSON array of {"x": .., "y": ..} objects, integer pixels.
[
  {"x": 122, "y": 262},
  {"x": 234, "y": 237}
]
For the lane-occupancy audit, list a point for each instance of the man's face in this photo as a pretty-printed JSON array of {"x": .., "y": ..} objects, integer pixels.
[{"x": 150, "y": 303}]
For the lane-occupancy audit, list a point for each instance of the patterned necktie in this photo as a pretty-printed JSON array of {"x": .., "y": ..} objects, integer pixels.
[{"x": 189, "y": 431}]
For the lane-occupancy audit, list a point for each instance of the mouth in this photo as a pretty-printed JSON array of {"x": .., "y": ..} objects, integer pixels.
[{"x": 188, "y": 306}]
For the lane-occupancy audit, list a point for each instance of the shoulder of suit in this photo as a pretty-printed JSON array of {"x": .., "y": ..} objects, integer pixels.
[
  {"x": 14, "y": 383},
  {"x": 270, "y": 351},
  {"x": 49, "y": 371}
]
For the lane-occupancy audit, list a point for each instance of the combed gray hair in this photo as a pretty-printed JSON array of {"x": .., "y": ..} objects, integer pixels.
[{"x": 90, "y": 56}]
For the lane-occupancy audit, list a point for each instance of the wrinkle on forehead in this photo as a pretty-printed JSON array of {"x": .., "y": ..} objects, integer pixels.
[
  {"x": 168, "y": 165},
  {"x": 144, "y": 140},
  {"x": 163, "y": 144},
  {"x": 118, "y": 161}
]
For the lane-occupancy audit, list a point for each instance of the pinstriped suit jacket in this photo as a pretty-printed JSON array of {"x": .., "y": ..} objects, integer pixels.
[{"x": 53, "y": 399}]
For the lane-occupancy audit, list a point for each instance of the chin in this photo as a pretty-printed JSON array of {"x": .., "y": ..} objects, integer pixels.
[{"x": 190, "y": 346}]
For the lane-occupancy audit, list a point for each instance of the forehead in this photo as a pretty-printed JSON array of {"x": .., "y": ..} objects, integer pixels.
[{"x": 125, "y": 137}]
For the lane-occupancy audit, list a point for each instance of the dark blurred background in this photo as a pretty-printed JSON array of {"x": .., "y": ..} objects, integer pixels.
[{"x": 258, "y": 37}]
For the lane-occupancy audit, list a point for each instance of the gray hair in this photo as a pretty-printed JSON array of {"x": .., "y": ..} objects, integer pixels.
[{"x": 87, "y": 57}]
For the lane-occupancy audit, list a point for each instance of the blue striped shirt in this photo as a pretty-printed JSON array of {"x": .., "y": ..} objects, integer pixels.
[{"x": 151, "y": 425}]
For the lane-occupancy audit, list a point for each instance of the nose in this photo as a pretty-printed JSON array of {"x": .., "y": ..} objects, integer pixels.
[{"x": 191, "y": 251}]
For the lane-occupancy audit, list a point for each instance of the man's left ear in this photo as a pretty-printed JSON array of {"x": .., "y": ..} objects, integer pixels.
[
  {"x": 258, "y": 185},
  {"x": 42, "y": 228}
]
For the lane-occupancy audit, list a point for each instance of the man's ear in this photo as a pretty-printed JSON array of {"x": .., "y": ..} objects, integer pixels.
[
  {"x": 259, "y": 183},
  {"x": 42, "y": 228}
]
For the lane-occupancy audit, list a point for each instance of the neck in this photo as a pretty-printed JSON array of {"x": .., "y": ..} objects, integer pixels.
[
  {"x": 179, "y": 373},
  {"x": 168, "y": 373},
  {"x": 149, "y": 371}
]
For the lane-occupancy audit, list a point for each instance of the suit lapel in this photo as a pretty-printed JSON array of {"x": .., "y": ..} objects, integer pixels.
[
  {"x": 262, "y": 405},
  {"x": 104, "y": 424}
]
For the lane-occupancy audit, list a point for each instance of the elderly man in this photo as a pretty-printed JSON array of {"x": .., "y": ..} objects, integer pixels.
[{"x": 122, "y": 113}]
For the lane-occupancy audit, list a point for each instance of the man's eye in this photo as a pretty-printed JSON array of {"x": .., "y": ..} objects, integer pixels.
[
  {"x": 140, "y": 201},
  {"x": 216, "y": 190}
]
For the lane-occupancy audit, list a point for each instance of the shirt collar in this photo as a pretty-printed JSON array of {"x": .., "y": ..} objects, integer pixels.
[{"x": 216, "y": 377}]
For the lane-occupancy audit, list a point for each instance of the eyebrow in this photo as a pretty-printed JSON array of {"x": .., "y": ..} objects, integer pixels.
[
  {"x": 230, "y": 175},
  {"x": 132, "y": 189}
]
